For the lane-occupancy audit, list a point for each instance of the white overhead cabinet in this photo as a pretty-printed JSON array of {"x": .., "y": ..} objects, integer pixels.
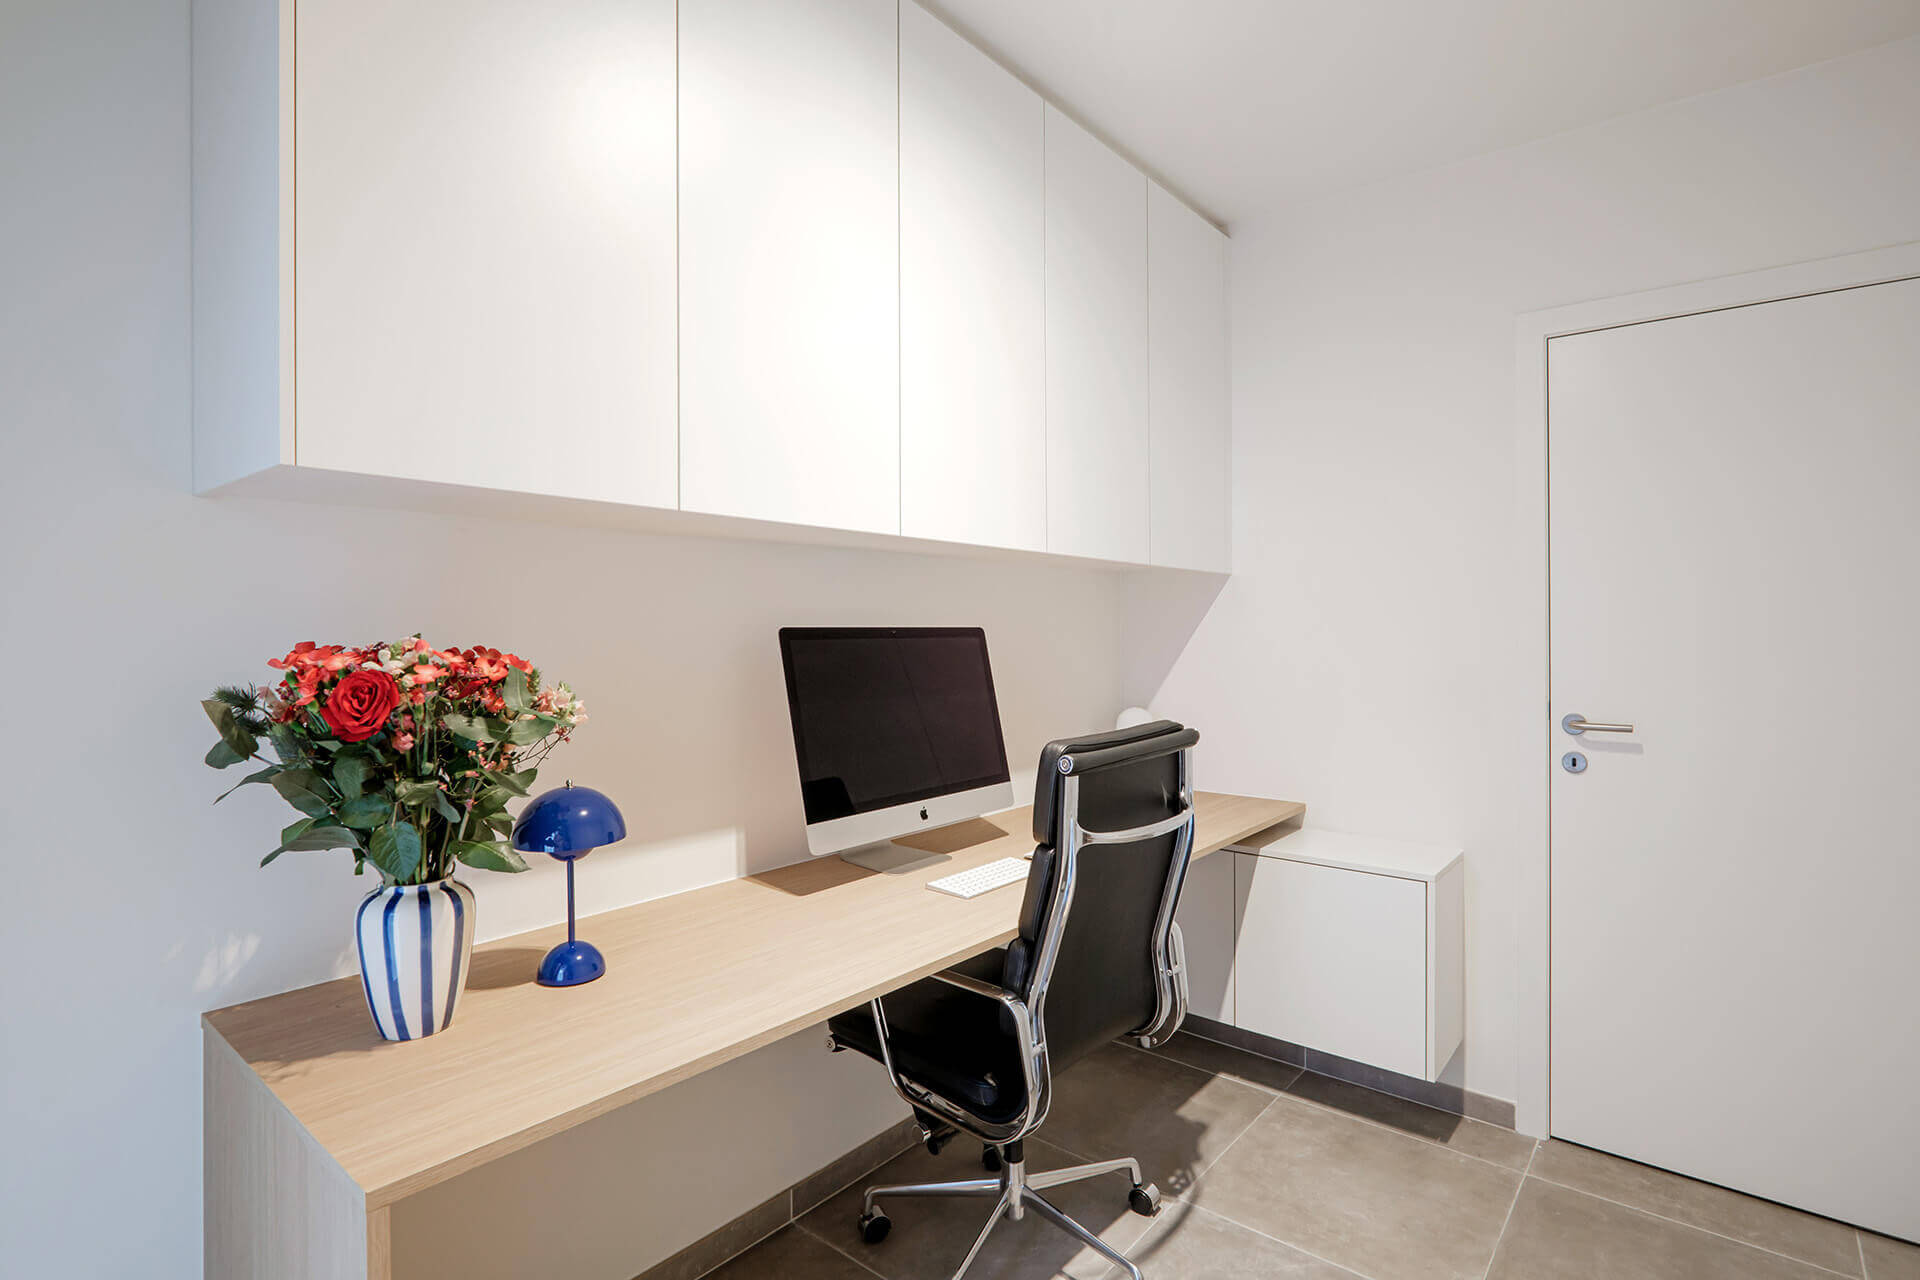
[
  {"x": 789, "y": 261},
  {"x": 818, "y": 264},
  {"x": 465, "y": 212},
  {"x": 1097, "y": 488},
  {"x": 973, "y": 386},
  {"x": 1188, "y": 373}
]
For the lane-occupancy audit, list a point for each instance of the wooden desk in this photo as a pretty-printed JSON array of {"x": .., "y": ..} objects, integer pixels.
[{"x": 315, "y": 1126}]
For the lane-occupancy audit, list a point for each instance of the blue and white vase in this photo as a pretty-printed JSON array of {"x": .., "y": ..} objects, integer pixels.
[{"x": 415, "y": 941}]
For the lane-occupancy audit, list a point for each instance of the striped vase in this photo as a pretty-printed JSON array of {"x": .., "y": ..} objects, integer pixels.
[{"x": 415, "y": 943}]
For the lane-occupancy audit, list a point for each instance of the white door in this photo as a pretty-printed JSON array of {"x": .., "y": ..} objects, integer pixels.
[
  {"x": 486, "y": 272},
  {"x": 789, "y": 261},
  {"x": 1735, "y": 526},
  {"x": 1097, "y": 491},
  {"x": 973, "y": 372}
]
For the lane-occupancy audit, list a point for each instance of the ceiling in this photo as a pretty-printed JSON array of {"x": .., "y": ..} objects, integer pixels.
[{"x": 1249, "y": 105}]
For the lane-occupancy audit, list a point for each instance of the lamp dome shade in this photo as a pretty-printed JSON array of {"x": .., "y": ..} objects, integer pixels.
[{"x": 568, "y": 821}]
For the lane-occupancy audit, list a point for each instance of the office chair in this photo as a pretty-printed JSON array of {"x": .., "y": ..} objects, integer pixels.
[{"x": 1098, "y": 956}]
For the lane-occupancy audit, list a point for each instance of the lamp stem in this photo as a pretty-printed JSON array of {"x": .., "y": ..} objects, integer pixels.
[{"x": 570, "y": 937}]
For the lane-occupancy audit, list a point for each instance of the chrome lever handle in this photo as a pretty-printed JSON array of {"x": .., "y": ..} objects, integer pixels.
[{"x": 1577, "y": 724}]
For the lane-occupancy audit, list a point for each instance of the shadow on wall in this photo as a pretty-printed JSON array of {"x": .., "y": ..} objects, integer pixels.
[{"x": 1160, "y": 610}]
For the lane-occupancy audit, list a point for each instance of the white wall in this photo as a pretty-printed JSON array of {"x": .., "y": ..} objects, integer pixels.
[
  {"x": 131, "y": 904},
  {"x": 1379, "y": 651}
]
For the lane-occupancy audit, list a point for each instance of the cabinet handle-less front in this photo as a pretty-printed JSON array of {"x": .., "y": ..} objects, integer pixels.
[{"x": 1577, "y": 724}]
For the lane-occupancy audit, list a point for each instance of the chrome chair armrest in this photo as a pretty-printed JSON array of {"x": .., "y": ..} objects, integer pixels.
[{"x": 967, "y": 982}]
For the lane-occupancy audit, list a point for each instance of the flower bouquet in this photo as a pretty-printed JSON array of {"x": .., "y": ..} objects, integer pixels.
[{"x": 406, "y": 756}]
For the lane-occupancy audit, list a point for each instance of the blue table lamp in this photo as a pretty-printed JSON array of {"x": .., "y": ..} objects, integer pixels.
[{"x": 568, "y": 823}]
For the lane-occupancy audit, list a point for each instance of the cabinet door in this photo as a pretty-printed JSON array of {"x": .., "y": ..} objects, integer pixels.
[
  {"x": 789, "y": 261},
  {"x": 1334, "y": 960},
  {"x": 1096, "y": 348},
  {"x": 973, "y": 391},
  {"x": 484, "y": 288},
  {"x": 1188, "y": 372},
  {"x": 1206, "y": 918}
]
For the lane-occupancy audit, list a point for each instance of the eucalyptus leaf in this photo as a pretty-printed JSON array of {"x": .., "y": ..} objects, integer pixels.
[
  {"x": 366, "y": 812},
  {"x": 472, "y": 728},
  {"x": 220, "y": 755},
  {"x": 259, "y": 776},
  {"x": 303, "y": 789},
  {"x": 488, "y": 857},
  {"x": 396, "y": 851},
  {"x": 232, "y": 732},
  {"x": 515, "y": 692}
]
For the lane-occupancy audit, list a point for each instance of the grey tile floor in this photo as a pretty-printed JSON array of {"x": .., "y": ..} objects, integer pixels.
[{"x": 1271, "y": 1172}]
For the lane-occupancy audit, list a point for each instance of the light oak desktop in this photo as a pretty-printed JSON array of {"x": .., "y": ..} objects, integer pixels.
[{"x": 315, "y": 1126}]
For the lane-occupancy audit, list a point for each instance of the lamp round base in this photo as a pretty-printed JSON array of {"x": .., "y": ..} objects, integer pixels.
[{"x": 572, "y": 963}]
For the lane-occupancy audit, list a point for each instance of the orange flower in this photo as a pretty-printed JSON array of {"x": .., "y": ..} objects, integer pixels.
[{"x": 426, "y": 671}]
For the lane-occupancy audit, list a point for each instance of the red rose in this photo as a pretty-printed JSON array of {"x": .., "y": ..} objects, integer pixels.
[{"x": 359, "y": 705}]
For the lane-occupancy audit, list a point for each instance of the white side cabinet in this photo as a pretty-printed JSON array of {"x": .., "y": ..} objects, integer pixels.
[
  {"x": 789, "y": 261},
  {"x": 1097, "y": 492},
  {"x": 468, "y": 220},
  {"x": 1192, "y": 446},
  {"x": 973, "y": 373},
  {"x": 1353, "y": 946},
  {"x": 1206, "y": 917}
]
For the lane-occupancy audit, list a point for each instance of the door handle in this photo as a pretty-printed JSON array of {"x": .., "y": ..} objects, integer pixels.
[{"x": 1577, "y": 724}]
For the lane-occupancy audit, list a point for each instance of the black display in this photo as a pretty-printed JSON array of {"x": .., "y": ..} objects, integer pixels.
[{"x": 887, "y": 715}]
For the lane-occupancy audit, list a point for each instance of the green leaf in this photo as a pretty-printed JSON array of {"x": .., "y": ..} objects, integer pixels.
[
  {"x": 488, "y": 857},
  {"x": 445, "y": 808},
  {"x": 293, "y": 830},
  {"x": 472, "y": 728},
  {"x": 242, "y": 743},
  {"x": 288, "y": 745},
  {"x": 489, "y": 800},
  {"x": 259, "y": 776},
  {"x": 366, "y": 812},
  {"x": 220, "y": 755},
  {"x": 327, "y": 837},
  {"x": 303, "y": 789},
  {"x": 396, "y": 851},
  {"x": 350, "y": 773},
  {"x": 515, "y": 692},
  {"x": 518, "y": 784},
  {"x": 531, "y": 729},
  {"x": 414, "y": 792}
]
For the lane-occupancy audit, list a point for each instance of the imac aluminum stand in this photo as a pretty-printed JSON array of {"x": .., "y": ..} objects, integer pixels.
[{"x": 892, "y": 857}]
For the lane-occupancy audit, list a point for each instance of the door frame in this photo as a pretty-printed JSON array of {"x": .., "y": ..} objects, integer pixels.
[{"x": 1532, "y": 331}]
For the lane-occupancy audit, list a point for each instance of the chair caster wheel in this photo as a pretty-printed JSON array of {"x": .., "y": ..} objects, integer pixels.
[
  {"x": 1144, "y": 1201},
  {"x": 874, "y": 1226},
  {"x": 990, "y": 1160}
]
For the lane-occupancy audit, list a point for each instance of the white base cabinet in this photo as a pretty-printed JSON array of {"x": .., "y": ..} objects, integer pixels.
[
  {"x": 1351, "y": 946},
  {"x": 1206, "y": 919}
]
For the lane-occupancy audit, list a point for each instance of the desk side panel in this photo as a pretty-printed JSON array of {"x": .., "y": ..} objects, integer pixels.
[{"x": 276, "y": 1204}]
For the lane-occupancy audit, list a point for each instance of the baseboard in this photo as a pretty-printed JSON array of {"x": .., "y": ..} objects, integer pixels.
[
  {"x": 1442, "y": 1097},
  {"x": 756, "y": 1224}
]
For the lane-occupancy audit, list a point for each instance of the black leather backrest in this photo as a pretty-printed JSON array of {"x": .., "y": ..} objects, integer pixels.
[{"x": 1103, "y": 983}]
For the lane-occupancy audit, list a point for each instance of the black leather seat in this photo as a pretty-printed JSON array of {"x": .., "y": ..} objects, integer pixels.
[{"x": 1097, "y": 956}]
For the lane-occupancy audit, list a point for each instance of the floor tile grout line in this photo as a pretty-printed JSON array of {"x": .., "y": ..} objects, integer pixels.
[
  {"x": 1507, "y": 1221},
  {"x": 1705, "y": 1231},
  {"x": 1860, "y": 1247},
  {"x": 1285, "y": 1244},
  {"x": 1303, "y": 1071},
  {"x": 808, "y": 1231}
]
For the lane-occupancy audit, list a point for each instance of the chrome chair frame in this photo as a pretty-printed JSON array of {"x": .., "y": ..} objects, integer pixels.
[{"x": 1015, "y": 1190}]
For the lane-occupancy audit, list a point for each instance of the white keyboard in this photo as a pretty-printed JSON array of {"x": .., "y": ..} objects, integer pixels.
[{"x": 984, "y": 878}]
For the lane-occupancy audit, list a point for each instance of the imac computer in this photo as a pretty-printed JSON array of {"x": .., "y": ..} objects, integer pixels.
[{"x": 895, "y": 730}]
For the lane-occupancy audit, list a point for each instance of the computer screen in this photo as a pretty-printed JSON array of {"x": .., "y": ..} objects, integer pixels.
[{"x": 885, "y": 716}]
